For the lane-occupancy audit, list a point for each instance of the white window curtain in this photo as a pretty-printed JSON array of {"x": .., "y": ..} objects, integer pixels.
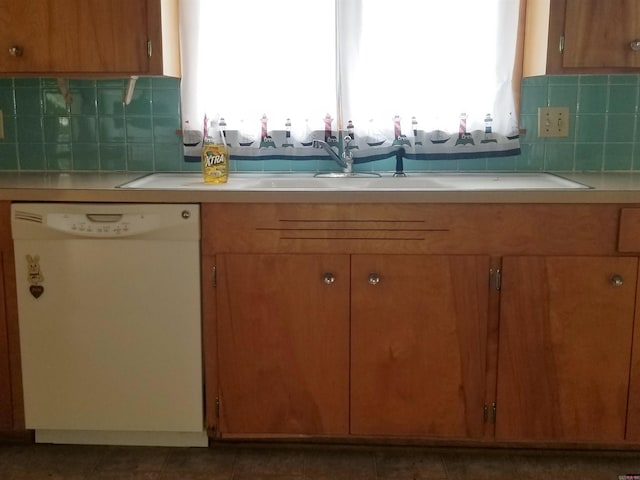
[{"x": 425, "y": 79}]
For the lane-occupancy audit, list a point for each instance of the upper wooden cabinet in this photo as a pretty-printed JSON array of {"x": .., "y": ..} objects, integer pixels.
[
  {"x": 89, "y": 37},
  {"x": 581, "y": 36}
]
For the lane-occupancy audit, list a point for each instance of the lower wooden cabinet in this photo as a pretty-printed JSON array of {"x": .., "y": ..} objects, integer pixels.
[
  {"x": 418, "y": 344},
  {"x": 448, "y": 322},
  {"x": 362, "y": 344},
  {"x": 566, "y": 327},
  {"x": 11, "y": 408},
  {"x": 283, "y": 344},
  {"x": 6, "y": 407},
  {"x": 633, "y": 409}
]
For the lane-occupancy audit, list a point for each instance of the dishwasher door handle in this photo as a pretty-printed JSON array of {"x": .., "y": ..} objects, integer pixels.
[{"x": 104, "y": 217}]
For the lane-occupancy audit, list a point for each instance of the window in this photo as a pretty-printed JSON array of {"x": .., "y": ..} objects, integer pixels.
[{"x": 423, "y": 78}]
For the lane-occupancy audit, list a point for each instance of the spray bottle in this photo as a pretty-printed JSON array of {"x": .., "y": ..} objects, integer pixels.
[{"x": 215, "y": 154}]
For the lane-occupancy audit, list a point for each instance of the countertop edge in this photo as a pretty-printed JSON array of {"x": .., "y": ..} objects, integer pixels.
[
  {"x": 174, "y": 196},
  {"x": 623, "y": 188}
]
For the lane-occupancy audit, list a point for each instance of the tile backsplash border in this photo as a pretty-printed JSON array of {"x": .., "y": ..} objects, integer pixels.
[{"x": 97, "y": 132}]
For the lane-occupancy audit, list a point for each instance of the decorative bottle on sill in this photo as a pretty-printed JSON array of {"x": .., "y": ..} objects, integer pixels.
[{"x": 215, "y": 154}]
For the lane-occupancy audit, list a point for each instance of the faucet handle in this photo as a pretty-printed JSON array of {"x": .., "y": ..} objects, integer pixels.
[{"x": 346, "y": 151}]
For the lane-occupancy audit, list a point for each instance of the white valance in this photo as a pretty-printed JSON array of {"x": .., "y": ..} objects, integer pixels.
[{"x": 424, "y": 79}]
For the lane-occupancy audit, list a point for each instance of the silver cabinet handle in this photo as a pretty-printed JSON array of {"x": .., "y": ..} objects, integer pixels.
[
  {"x": 374, "y": 279},
  {"x": 15, "y": 51},
  {"x": 635, "y": 45},
  {"x": 617, "y": 281},
  {"x": 328, "y": 278}
]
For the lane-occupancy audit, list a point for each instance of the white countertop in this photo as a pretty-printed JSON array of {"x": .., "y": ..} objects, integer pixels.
[{"x": 103, "y": 187}]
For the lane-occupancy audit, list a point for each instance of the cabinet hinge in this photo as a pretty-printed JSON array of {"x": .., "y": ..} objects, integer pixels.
[
  {"x": 149, "y": 48},
  {"x": 217, "y": 407},
  {"x": 214, "y": 277},
  {"x": 489, "y": 414},
  {"x": 561, "y": 44},
  {"x": 495, "y": 279}
]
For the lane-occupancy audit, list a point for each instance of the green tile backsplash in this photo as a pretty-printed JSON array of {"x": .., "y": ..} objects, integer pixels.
[
  {"x": 97, "y": 132},
  {"x": 604, "y": 133}
]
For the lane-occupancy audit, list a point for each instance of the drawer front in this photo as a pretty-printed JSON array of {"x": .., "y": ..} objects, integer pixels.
[{"x": 410, "y": 228}]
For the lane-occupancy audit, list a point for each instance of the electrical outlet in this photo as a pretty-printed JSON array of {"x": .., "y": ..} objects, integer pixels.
[
  {"x": 553, "y": 122},
  {"x": 1, "y": 126}
]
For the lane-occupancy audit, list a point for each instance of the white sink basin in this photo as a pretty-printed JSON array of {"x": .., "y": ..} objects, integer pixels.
[{"x": 307, "y": 182}]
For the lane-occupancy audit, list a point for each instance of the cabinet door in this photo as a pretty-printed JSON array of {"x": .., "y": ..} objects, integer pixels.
[
  {"x": 283, "y": 344},
  {"x": 67, "y": 36},
  {"x": 418, "y": 344},
  {"x": 6, "y": 269},
  {"x": 565, "y": 346},
  {"x": 6, "y": 414},
  {"x": 598, "y": 33},
  {"x": 633, "y": 405}
]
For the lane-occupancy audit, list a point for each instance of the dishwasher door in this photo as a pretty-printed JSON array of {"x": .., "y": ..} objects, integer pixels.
[{"x": 110, "y": 322}]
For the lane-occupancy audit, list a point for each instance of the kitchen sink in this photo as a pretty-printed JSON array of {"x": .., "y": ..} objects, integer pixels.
[{"x": 309, "y": 182}]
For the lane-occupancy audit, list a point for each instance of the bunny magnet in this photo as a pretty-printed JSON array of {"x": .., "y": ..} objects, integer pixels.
[{"x": 34, "y": 276}]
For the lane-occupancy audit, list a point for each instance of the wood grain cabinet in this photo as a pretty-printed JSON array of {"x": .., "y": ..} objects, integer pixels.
[
  {"x": 324, "y": 327},
  {"x": 89, "y": 37},
  {"x": 322, "y": 344},
  {"x": 566, "y": 329},
  {"x": 458, "y": 322},
  {"x": 283, "y": 344},
  {"x": 418, "y": 344},
  {"x": 11, "y": 409},
  {"x": 582, "y": 36},
  {"x": 601, "y": 34},
  {"x": 6, "y": 413}
]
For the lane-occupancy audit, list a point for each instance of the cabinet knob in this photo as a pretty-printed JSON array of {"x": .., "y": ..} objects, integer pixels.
[
  {"x": 617, "y": 281},
  {"x": 15, "y": 51},
  {"x": 374, "y": 279},
  {"x": 328, "y": 278},
  {"x": 635, "y": 45}
]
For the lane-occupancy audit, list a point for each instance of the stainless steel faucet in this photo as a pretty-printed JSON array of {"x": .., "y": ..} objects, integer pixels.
[{"x": 345, "y": 161}]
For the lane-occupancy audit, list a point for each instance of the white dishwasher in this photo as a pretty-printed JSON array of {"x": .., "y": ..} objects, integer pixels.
[{"x": 110, "y": 326}]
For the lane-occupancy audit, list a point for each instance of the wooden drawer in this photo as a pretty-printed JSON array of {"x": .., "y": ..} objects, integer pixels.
[{"x": 410, "y": 228}]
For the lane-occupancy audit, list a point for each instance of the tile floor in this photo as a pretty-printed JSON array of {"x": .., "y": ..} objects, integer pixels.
[{"x": 301, "y": 462}]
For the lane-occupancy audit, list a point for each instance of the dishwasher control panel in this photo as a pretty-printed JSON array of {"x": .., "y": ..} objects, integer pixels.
[
  {"x": 55, "y": 221},
  {"x": 103, "y": 225}
]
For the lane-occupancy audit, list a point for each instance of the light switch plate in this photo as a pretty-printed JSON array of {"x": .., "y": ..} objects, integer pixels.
[{"x": 553, "y": 122}]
